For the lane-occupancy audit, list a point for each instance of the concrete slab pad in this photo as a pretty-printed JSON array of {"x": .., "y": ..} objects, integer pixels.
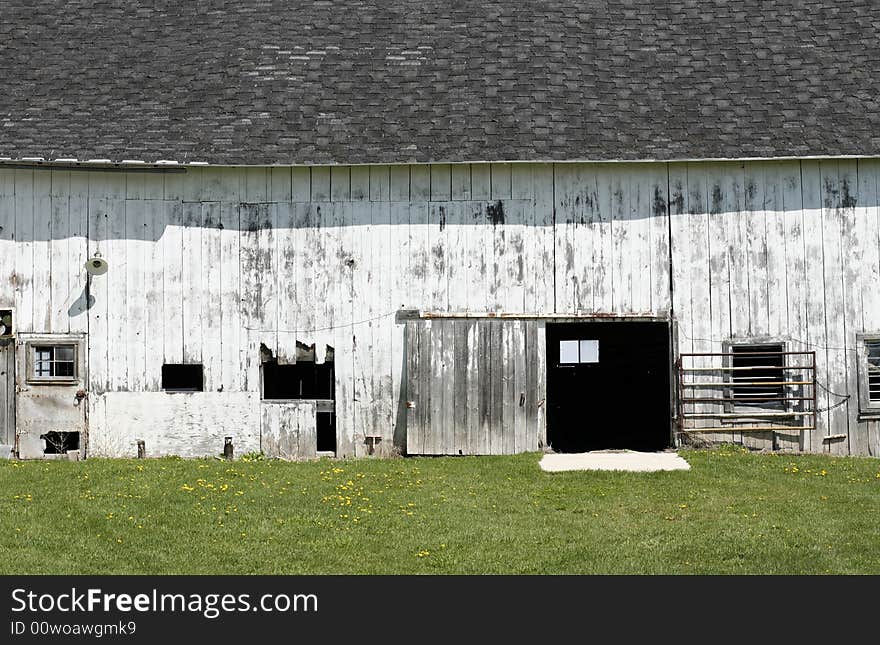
[{"x": 644, "y": 462}]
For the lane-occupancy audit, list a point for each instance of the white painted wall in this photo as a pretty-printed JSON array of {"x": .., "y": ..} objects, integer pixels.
[{"x": 209, "y": 264}]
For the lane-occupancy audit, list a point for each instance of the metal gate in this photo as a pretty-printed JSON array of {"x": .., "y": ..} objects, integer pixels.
[{"x": 775, "y": 394}]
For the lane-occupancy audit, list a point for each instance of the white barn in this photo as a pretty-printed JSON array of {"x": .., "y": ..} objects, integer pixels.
[{"x": 423, "y": 230}]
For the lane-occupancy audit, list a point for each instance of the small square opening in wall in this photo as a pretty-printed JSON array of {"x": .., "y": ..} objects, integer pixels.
[
  {"x": 58, "y": 443},
  {"x": 183, "y": 377}
]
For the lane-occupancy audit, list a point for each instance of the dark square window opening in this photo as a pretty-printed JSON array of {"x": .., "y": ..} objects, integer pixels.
[
  {"x": 183, "y": 377},
  {"x": 300, "y": 380},
  {"x": 758, "y": 375}
]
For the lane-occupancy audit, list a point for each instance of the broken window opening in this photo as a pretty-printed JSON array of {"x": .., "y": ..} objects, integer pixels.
[
  {"x": 58, "y": 443},
  {"x": 183, "y": 377},
  {"x": 53, "y": 362},
  {"x": 301, "y": 380},
  {"x": 758, "y": 381}
]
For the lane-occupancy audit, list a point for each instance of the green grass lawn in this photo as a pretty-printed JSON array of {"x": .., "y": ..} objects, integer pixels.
[{"x": 734, "y": 512}]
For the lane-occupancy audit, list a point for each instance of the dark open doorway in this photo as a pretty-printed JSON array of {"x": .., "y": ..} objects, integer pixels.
[{"x": 608, "y": 386}]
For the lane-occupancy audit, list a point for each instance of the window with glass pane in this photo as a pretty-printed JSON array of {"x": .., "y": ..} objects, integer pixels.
[
  {"x": 873, "y": 347},
  {"x": 54, "y": 361}
]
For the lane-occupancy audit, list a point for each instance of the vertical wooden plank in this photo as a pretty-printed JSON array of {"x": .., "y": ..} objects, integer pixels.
[
  {"x": 500, "y": 180},
  {"x": 290, "y": 281},
  {"x": 258, "y": 287},
  {"x": 78, "y": 251},
  {"x": 398, "y": 184},
  {"x": 340, "y": 183},
  {"x": 117, "y": 253},
  {"x": 419, "y": 183},
  {"x": 509, "y": 396},
  {"x": 172, "y": 285},
  {"x": 461, "y": 182},
  {"x": 255, "y": 184},
  {"x": 461, "y": 376},
  {"x": 382, "y": 308},
  {"x": 98, "y": 228},
  {"x": 155, "y": 222},
  {"x": 815, "y": 281},
  {"x": 454, "y": 214},
  {"x": 62, "y": 294},
  {"x": 25, "y": 221},
  {"x": 446, "y": 431},
  {"x": 412, "y": 386},
  {"x": 473, "y": 418},
  {"x": 522, "y": 181},
  {"x": 796, "y": 286},
  {"x": 232, "y": 336},
  {"x": 853, "y": 238},
  {"x": 320, "y": 184},
  {"x": 573, "y": 236},
  {"x": 520, "y": 387},
  {"x": 426, "y": 372},
  {"x": 621, "y": 276},
  {"x": 756, "y": 253},
  {"x": 641, "y": 188},
  {"x": 192, "y": 281},
  {"x": 535, "y": 437},
  {"x": 360, "y": 183},
  {"x": 441, "y": 182},
  {"x": 603, "y": 241},
  {"x": 868, "y": 230},
  {"x": 212, "y": 297},
  {"x": 301, "y": 184},
  {"x": 8, "y": 246},
  {"x": 544, "y": 223},
  {"x": 483, "y": 444},
  {"x": 661, "y": 297},
  {"x": 839, "y": 185},
  {"x": 437, "y": 280},
  {"x": 496, "y": 385},
  {"x": 135, "y": 322},
  {"x": 777, "y": 295},
  {"x": 380, "y": 184},
  {"x": 481, "y": 182},
  {"x": 193, "y": 184},
  {"x": 434, "y": 439},
  {"x": 280, "y": 184}
]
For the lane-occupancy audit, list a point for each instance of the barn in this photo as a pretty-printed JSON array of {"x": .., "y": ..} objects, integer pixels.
[{"x": 438, "y": 228}]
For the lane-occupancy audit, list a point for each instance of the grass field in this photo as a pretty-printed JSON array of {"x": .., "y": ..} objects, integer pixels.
[{"x": 734, "y": 512}]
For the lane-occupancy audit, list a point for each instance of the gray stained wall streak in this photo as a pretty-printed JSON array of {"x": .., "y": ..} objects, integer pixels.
[{"x": 211, "y": 264}]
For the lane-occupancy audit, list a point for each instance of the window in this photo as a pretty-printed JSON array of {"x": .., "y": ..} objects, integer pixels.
[
  {"x": 301, "y": 380},
  {"x": 757, "y": 374},
  {"x": 578, "y": 351},
  {"x": 53, "y": 363},
  {"x": 182, "y": 377},
  {"x": 869, "y": 373},
  {"x": 873, "y": 348}
]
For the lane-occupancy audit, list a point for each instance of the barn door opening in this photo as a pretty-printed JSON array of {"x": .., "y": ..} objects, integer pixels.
[
  {"x": 608, "y": 386},
  {"x": 50, "y": 417}
]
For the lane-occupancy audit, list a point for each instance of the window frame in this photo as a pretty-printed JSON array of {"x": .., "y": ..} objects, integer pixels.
[
  {"x": 742, "y": 406},
  {"x": 34, "y": 379},
  {"x": 867, "y": 408}
]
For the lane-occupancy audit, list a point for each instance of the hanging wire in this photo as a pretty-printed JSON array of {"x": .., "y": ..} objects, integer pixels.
[{"x": 330, "y": 328}]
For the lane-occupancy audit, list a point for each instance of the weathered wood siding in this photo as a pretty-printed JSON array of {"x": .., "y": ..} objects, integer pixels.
[
  {"x": 210, "y": 264},
  {"x": 289, "y": 430},
  {"x": 473, "y": 387}
]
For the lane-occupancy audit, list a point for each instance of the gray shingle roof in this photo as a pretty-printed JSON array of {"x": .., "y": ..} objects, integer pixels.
[{"x": 326, "y": 81}]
